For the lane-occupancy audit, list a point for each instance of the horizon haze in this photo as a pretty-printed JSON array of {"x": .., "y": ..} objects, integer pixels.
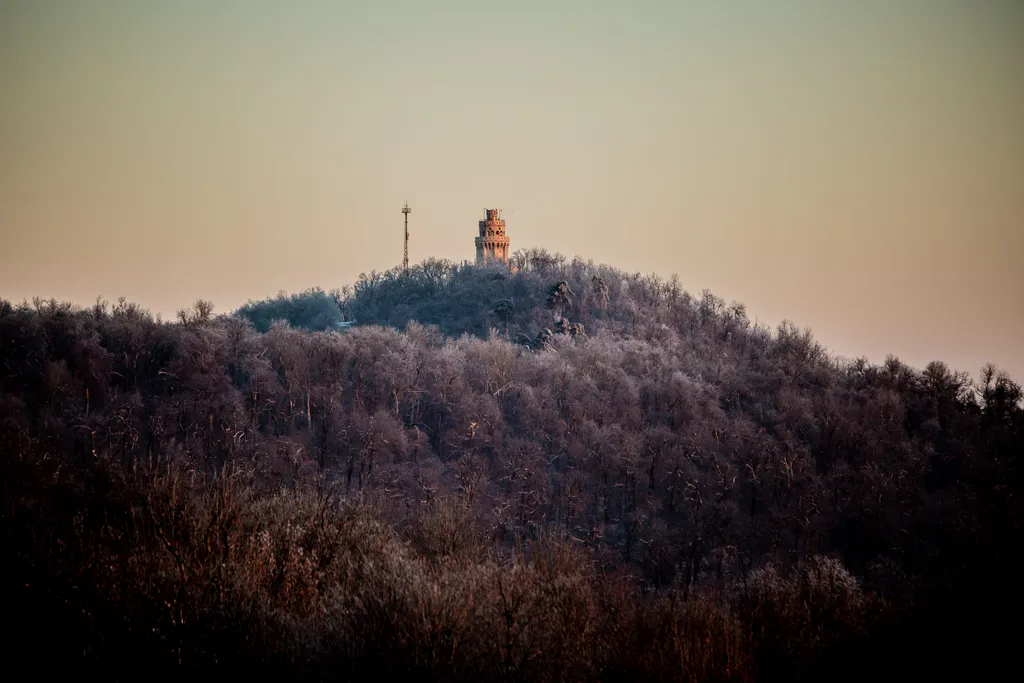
[{"x": 857, "y": 168}]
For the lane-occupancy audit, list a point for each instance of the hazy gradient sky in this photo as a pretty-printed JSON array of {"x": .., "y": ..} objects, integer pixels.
[{"x": 857, "y": 167}]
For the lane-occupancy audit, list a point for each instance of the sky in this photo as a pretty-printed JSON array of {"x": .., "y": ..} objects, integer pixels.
[{"x": 855, "y": 167}]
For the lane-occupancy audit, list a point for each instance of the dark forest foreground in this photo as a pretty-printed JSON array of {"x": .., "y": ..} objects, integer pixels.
[{"x": 567, "y": 473}]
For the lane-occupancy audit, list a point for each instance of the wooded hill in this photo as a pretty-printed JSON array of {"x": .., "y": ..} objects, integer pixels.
[{"x": 563, "y": 473}]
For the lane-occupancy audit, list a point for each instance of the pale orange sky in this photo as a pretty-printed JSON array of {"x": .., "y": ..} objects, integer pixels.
[{"x": 856, "y": 167}]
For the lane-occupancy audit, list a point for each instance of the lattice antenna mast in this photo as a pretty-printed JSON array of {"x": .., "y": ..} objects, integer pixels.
[{"x": 405, "y": 257}]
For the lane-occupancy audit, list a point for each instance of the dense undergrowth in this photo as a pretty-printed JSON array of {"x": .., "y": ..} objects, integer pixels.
[{"x": 567, "y": 473}]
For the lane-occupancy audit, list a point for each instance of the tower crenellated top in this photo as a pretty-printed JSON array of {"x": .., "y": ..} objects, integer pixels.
[{"x": 493, "y": 225}]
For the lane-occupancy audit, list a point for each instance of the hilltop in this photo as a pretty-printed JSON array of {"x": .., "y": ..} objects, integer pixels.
[{"x": 565, "y": 472}]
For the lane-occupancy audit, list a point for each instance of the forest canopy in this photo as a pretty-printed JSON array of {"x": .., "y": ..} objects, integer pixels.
[
  {"x": 546, "y": 474},
  {"x": 312, "y": 309}
]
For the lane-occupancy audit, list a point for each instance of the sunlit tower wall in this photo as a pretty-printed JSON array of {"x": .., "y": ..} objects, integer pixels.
[{"x": 492, "y": 245}]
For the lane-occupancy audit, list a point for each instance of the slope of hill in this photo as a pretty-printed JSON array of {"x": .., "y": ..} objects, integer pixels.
[{"x": 565, "y": 473}]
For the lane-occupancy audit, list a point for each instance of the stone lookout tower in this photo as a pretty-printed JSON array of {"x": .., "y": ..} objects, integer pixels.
[{"x": 492, "y": 244}]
